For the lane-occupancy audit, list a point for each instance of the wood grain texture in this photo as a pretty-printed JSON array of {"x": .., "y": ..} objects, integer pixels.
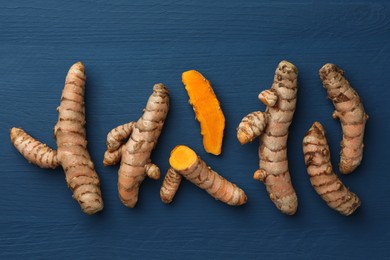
[{"x": 127, "y": 46}]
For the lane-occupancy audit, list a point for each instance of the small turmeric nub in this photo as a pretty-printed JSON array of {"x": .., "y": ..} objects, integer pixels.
[
  {"x": 323, "y": 179},
  {"x": 170, "y": 186},
  {"x": 251, "y": 126},
  {"x": 184, "y": 161},
  {"x": 207, "y": 110}
]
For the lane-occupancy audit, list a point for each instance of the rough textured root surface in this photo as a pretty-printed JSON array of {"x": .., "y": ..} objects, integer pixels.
[
  {"x": 71, "y": 153},
  {"x": 170, "y": 186},
  {"x": 71, "y": 143},
  {"x": 207, "y": 110},
  {"x": 34, "y": 151},
  {"x": 152, "y": 171},
  {"x": 112, "y": 158},
  {"x": 117, "y": 135},
  {"x": 184, "y": 161},
  {"x": 272, "y": 127},
  {"x": 322, "y": 177},
  {"x": 350, "y": 111},
  {"x": 135, "y": 154},
  {"x": 251, "y": 126}
]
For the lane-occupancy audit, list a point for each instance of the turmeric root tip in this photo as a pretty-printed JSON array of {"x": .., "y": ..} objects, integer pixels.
[
  {"x": 170, "y": 186},
  {"x": 34, "y": 151},
  {"x": 251, "y": 126}
]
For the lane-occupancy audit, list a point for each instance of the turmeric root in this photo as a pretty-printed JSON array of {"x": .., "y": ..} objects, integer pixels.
[
  {"x": 350, "y": 111},
  {"x": 170, "y": 185},
  {"x": 322, "y": 177},
  {"x": 135, "y": 154},
  {"x": 71, "y": 153},
  {"x": 185, "y": 162},
  {"x": 272, "y": 127},
  {"x": 207, "y": 110}
]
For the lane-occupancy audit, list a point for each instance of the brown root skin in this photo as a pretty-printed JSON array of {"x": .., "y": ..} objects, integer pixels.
[
  {"x": 323, "y": 179},
  {"x": 116, "y": 136},
  {"x": 134, "y": 155},
  {"x": 112, "y": 158},
  {"x": 34, "y": 151},
  {"x": 272, "y": 128},
  {"x": 207, "y": 110},
  {"x": 251, "y": 126},
  {"x": 268, "y": 97},
  {"x": 350, "y": 112},
  {"x": 260, "y": 175},
  {"x": 185, "y": 162},
  {"x": 71, "y": 152},
  {"x": 152, "y": 171},
  {"x": 170, "y": 186}
]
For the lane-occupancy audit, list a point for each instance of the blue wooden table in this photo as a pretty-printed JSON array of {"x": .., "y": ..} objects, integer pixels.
[{"x": 127, "y": 46}]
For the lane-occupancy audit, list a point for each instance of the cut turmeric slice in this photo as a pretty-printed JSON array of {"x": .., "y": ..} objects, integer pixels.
[{"x": 207, "y": 110}]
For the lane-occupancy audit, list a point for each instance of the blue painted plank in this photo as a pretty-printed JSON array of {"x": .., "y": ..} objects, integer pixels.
[{"x": 127, "y": 46}]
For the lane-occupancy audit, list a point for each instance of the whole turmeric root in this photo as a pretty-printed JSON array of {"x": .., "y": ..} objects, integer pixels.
[
  {"x": 135, "y": 154},
  {"x": 322, "y": 177},
  {"x": 350, "y": 111},
  {"x": 72, "y": 153},
  {"x": 272, "y": 127},
  {"x": 185, "y": 162}
]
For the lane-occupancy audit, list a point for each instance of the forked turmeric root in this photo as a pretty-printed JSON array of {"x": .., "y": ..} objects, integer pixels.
[
  {"x": 272, "y": 127},
  {"x": 185, "y": 162},
  {"x": 135, "y": 154},
  {"x": 350, "y": 111},
  {"x": 71, "y": 153},
  {"x": 324, "y": 180},
  {"x": 207, "y": 110}
]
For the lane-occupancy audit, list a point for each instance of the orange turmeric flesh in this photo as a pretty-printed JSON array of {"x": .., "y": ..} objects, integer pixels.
[
  {"x": 207, "y": 110},
  {"x": 182, "y": 157}
]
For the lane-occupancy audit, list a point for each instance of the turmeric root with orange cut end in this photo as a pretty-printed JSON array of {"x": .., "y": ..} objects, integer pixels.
[
  {"x": 350, "y": 111},
  {"x": 322, "y": 177},
  {"x": 207, "y": 110},
  {"x": 71, "y": 153},
  {"x": 134, "y": 155},
  {"x": 185, "y": 162},
  {"x": 272, "y": 128}
]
